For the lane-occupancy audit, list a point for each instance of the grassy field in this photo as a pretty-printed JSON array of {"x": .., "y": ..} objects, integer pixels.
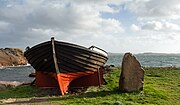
[{"x": 161, "y": 87}]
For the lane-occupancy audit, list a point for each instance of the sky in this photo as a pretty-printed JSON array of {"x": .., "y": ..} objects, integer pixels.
[{"x": 117, "y": 26}]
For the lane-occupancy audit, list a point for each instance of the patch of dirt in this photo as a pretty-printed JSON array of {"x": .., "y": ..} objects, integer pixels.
[{"x": 28, "y": 101}]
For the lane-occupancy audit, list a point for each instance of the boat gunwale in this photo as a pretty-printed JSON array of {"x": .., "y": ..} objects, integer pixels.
[{"x": 66, "y": 44}]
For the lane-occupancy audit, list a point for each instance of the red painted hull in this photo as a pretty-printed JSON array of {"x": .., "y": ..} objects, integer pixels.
[{"x": 64, "y": 81}]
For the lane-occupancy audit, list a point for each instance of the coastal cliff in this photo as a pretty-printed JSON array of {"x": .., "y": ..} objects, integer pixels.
[{"x": 12, "y": 57}]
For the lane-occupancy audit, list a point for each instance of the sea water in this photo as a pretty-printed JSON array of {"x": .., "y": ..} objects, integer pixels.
[
  {"x": 147, "y": 60},
  {"x": 20, "y": 74}
]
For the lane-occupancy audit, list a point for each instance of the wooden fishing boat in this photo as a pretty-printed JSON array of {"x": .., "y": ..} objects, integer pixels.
[{"x": 65, "y": 61}]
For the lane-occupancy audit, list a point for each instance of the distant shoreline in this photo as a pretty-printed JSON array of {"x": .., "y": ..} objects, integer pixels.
[
  {"x": 3, "y": 67},
  {"x": 163, "y": 67},
  {"x": 148, "y": 53}
]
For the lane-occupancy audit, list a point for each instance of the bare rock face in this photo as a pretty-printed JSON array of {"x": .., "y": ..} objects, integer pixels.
[
  {"x": 132, "y": 75},
  {"x": 12, "y": 57}
]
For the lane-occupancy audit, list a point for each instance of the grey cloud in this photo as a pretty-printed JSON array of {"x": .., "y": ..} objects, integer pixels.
[
  {"x": 30, "y": 22},
  {"x": 160, "y": 26},
  {"x": 153, "y": 9}
]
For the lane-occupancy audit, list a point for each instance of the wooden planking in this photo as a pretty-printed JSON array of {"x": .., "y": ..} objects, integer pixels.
[
  {"x": 81, "y": 49},
  {"x": 80, "y": 54},
  {"x": 69, "y": 57}
]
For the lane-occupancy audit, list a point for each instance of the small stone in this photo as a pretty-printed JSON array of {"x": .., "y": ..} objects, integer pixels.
[
  {"x": 9, "y": 100},
  {"x": 118, "y": 103},
  {"x": 7, "y": 84},
  {"x": 2, "y": 87},
  {"x": 132, "y": 75}
]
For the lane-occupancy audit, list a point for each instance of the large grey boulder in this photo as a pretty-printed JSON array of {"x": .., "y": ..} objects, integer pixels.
[{"x": 132, "y": 75}]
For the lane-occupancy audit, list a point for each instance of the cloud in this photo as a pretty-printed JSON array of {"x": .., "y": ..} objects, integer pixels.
[
  {"x": 3, "y": 26},
  {"x": 30, "y": 22},
  {"x": 171, "y": 26},
  {"x": 150, "y": 41},
  {"x": 154, "y": 23},
  {"x": 160, "y": 26},
  {"x": 153, "y": 9},
  {"x": 135, "y": 28}
]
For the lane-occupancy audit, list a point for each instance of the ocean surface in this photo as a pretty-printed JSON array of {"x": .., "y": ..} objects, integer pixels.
[
  {"x": 147, "y": 60},
  {"x": 20, "y": 74}
]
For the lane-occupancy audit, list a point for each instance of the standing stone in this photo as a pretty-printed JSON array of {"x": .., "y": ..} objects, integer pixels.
[{"x": 132, "y": 75}]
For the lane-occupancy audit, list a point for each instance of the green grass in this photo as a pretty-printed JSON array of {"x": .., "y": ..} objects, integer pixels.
[
  {"x": 19, "y": 92},
  {"x": 161, "y": 87}
]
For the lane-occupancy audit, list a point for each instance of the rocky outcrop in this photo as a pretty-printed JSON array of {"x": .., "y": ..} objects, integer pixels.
[
  {"x": 12, "y": 57},
  {"x": 132, "y": 75},
  {"x": 11, "y": 84},
  {"x": 8, "y": 84}
]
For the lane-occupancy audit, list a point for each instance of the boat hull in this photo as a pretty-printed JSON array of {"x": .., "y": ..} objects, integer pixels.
[{"x": 65, "y": 62}]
